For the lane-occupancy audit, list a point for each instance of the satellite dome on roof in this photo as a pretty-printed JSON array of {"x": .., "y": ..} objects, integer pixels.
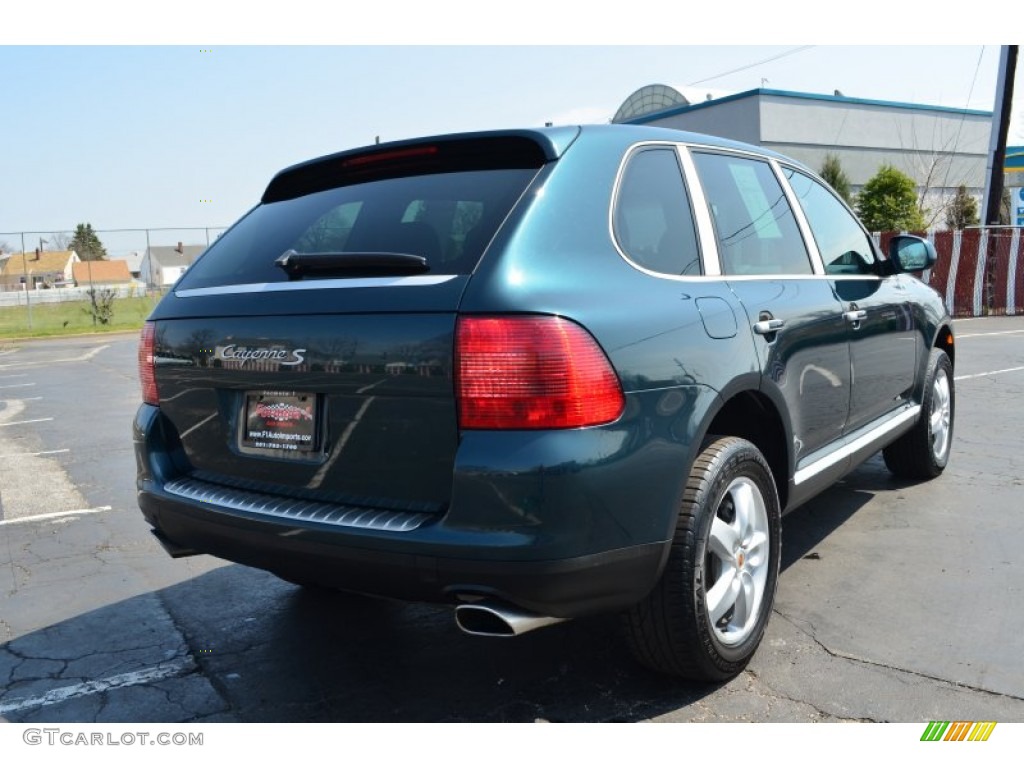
[{"x": 649, "y": 99}]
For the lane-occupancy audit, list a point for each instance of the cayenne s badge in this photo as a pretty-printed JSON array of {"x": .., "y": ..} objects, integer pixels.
[{"x": 279, "y": 355}]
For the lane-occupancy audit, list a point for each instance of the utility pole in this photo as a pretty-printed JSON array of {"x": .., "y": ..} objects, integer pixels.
[
  {"x": 1000, "y": 128},
  {"x": 92, "y": 292},
  {"x": 24, "y": 264}
]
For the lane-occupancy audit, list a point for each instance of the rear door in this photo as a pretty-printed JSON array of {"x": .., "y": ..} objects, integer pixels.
[
  {"x": 329, "y": 376},
  {"x": 793, "y": 312}
]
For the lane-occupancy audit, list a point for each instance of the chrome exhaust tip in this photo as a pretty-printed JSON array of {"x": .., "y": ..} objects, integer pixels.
[{"x": 492, "y": 619}]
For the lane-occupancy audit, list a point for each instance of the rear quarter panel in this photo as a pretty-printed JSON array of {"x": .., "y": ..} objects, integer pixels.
[{"x": 558, "y": 257}]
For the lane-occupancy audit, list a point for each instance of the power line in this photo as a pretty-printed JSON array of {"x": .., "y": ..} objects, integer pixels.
[{"x": 778, "y": 56}]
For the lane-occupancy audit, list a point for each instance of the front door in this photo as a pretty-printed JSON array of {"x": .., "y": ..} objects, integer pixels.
[{"x": 875, "y": 309}]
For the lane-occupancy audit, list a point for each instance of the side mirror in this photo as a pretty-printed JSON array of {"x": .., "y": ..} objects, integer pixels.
[{"x": 909, "y": 253}]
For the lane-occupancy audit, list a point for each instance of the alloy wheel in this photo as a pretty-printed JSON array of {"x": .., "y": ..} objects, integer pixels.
[
  {"x": 940, "y": 415},
  {"x": 736, "y": 566}
]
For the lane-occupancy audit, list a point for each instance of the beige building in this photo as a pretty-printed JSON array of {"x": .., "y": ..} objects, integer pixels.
[
  {"x": 101, "y": 274},
  {"x": 41, "y": 269}
]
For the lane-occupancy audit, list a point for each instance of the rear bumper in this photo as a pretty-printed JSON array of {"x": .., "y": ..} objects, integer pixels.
[
  {"x": 565, "y": 558},
  {"x": 566, "y": 588}
]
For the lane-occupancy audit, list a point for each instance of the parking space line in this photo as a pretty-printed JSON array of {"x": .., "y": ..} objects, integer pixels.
[
  {"x": 12, "y": 386},
  {"x": 19, "y": 399},
  {"x": 162, "y": 671},
  {"x": 54, "y": 515},
  {"x": 79, "y": 359},
  {"x": 14, "y": 376},
  {"x": 27, "y": 421},
  {"x": 988, "y": 373},
  {"x": 991, "y": 333},
  {"x": 37, "y": 453}
]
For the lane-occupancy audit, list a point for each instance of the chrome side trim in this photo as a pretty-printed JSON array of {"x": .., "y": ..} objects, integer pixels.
[
  {"x": 817, "y": 263},
  {"x": 295, "y": 509},
  {"x": 701, "y": 214},
  {"x": 909, "y": 413},
  {"x": 317, "y": 285}
]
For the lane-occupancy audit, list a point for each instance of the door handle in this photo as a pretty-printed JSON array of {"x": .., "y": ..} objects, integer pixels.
[
  {"x": 764, "y": 327},
  {"x": 855, "y": 315}
]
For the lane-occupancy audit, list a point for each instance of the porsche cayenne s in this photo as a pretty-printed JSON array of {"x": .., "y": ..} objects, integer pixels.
[{"x": 539, "y": 375}]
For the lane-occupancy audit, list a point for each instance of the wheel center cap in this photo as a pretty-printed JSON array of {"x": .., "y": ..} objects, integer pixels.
[{"x": 740, "y": 558}]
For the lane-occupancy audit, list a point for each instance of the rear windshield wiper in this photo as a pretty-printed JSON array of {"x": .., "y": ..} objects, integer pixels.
[{"x": 300, "y": 265}]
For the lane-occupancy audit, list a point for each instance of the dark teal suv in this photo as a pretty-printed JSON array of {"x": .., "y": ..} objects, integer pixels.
[{"x": 538, "y": 375}]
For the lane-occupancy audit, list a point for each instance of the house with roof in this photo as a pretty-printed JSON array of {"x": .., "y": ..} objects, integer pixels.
[
  {"x": 162, "y": 265},
  {"x": 41, "y": 269},
  {"x": 101, "y": 273},
  {"x": 134, "y": 260}
]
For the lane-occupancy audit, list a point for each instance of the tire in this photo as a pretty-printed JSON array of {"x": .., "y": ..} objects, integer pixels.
[
  {"x": 706, "y": 616},
  {"x": 923, "y": 452}
]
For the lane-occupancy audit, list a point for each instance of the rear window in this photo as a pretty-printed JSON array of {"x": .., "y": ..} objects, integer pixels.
[{"x": 448, "y": 218}]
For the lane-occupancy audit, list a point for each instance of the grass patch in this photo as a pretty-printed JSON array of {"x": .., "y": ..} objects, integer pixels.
[{"x": 73, "y": 317}]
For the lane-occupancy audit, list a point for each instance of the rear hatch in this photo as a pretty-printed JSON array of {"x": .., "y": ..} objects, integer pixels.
[{"x": 309, "y": 352}]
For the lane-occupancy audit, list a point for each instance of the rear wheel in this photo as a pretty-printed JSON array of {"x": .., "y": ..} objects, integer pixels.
[
  {"x": 923, "y": 452},
  {"x": 705, "y": 618}
]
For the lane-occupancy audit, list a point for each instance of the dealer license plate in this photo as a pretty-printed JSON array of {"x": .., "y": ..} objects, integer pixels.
[{"x": 280, "y": 421}]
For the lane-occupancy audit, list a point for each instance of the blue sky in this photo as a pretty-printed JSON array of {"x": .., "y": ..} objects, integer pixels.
[{"x": 182, "y": 136}]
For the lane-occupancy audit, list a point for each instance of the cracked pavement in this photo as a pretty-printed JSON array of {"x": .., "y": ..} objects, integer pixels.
[{"x": 896, "y": 603}]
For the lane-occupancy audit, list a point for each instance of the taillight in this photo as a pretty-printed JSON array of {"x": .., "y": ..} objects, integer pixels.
[
  {"x": 147, "y": 369},
  {"x": 532, "y": 372}
]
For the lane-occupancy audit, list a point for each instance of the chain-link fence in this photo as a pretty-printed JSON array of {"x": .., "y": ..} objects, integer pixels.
[{"x": 45, "y": 286}]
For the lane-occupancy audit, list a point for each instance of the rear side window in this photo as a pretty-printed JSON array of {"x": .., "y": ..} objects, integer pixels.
[
  {"x": 757, "y": 232},
  {"x": 653, "y": 221},
  {"x": 448, "y": 218}
]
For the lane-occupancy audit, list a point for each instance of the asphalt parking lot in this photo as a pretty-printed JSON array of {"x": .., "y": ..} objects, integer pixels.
[{"x": 897, "y": 602}]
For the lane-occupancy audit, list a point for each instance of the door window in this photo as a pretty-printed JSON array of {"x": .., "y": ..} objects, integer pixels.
[
  {"x": 844, "y": 246},
  {"x": 757, "y": 232}
]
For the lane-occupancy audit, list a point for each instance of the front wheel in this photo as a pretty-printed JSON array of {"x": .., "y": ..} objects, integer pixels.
[
  {"x": 923, "y": 452},
  {"x": 706, "y": 616}
]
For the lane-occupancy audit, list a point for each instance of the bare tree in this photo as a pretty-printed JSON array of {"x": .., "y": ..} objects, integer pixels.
[
  {"x": 931, "y": 168},
  {"x": 60, "y": 240},
  {"x": 962, "y": 210}
]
